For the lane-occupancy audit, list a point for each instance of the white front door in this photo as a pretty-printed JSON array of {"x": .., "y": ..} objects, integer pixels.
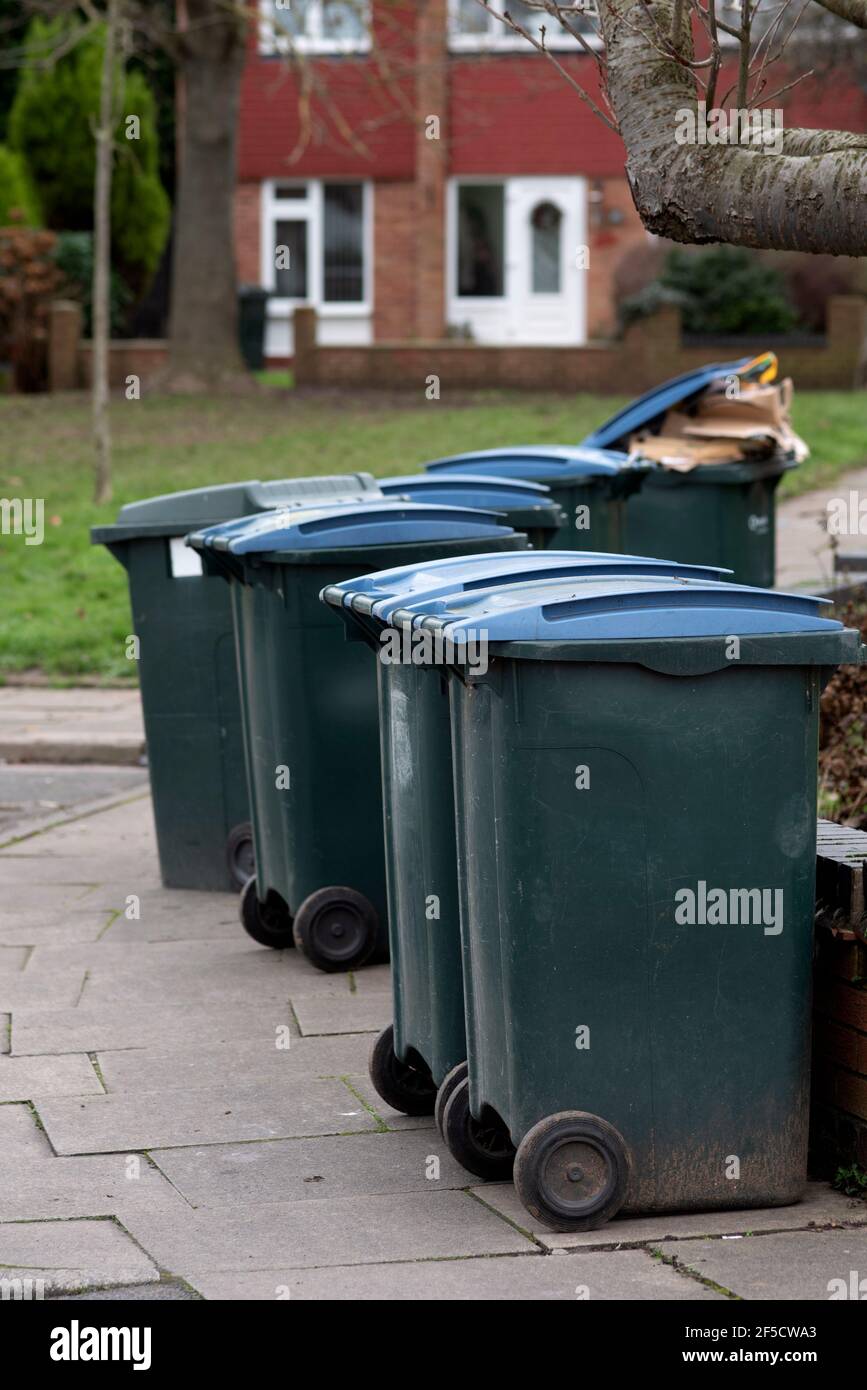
[{"x": 517, "y": 258}]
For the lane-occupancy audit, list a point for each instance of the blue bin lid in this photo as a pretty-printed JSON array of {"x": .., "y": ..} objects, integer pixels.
[
  {"x": 646, "y": 410},
  {"x": 470, "y": 490},
  {"x": 380, "y": 522},
  {"x": 412, "y": 589},
  {"x": 550, "y": 462},
  {"x": 626, "y": 608},
  {"x": 213, "y": 537}
]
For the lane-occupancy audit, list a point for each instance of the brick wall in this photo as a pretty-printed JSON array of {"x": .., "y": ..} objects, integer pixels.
[
  {"x": 248, "y": 212},
  {"x": 141, "y": 357},
  {"x": 395, "y": 280},
  {"x": 610, "y": 239},
  {"x": 839, "y": 1098},
  {"x": 650, "y": 352}
]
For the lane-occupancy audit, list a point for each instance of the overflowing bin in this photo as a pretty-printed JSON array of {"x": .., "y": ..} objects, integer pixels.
[
  {"x": 189, "y": 685},
  {"x": 635, "y": 791},
  {"x": 526, "y": 506},
  {"x": 419, "y": 1061},
  {"x": 310, "y": 713},
  {"x": 711, "y": 497},
  {"x": 590, "y": 485}
]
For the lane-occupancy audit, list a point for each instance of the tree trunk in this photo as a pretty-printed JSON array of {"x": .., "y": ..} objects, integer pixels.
[
  {"x": 807, "y": 196},
  {"x": 102, "y": 259},
  {"x": 203, "y": 336}
]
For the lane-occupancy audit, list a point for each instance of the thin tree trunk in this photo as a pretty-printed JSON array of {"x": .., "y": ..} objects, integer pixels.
[
  {"x": 102, "y": 258},
  {"x": 204, "y": 354}
]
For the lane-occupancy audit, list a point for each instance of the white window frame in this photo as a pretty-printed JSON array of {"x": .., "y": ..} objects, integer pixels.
[
  {"x": 273, "y": 42},
  {"x": 499, "y": 38},
  {"x": 311, "y": 209}
]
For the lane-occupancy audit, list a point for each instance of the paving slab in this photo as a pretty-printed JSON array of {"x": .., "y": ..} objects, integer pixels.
[
  {"x": 48, "y": 901},
  {"x": 312, "y": 1169},
  {"x": 103, "y": 1029},
  {"x": 627, "y": 1274},
  {"x": 23, "y": 991},
  {"x": 42, "y": 725},
  {"x": 73, "y": 1254},
  {"x": 13, "y": 959},
  {"x": 821, "y": 1206},
  {"x": 796, "y": 1265},
  {"x": 33, "y": 794},
  {"x": 263, "y": 978},
  {"x": 358, "y": 1230},
  {"x": 21, "y": 1139},
  {"x": 350, "y": 1013},
  {"x": 131, "y": 954},
  {"x": 171, "y": 914},
  {"x": 804, "y": 554},
  {"x": 26, "y": 1078},
  {"x": 394, "y": 1119},
  {"x": 214, "y": 1115},
  {"x": 61, "y": 1188},
  {"x": 243, "y": 1062},
  {"x": 166, "y": 1291},
  {"x": 29, "y": 927}
]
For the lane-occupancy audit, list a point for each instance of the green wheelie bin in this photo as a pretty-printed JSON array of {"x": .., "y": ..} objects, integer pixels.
[
  {"x": 635, "y": 791},
  {"x": 310, "y": 711},
  {"x": 719, "y": 513},
  {"x": 189, "y": 685},
  {"x": 418, "y": 1062},
  {"x": 590, "y": 485}
]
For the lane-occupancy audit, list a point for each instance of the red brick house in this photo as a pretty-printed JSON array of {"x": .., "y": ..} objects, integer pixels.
[{"x": 413, "y": 170}]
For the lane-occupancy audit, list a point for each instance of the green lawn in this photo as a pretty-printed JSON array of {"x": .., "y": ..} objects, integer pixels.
[{"x": 64, "y": 606}]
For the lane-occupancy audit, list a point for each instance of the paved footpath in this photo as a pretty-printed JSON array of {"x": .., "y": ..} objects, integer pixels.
[{"x": 158, "y": 1136}]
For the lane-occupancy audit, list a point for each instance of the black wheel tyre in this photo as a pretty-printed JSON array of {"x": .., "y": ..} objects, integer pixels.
[
  {"x": 483, "y": 1147},
  {"x": 239, "y": 854},
  {"x": 336, "y": 928},
  {"x": 451, "y": 1079},
  {"x": 269, "y": 923},
  {"x": 572, "y": 1171},
  {"x": 411, "y": 1090}
]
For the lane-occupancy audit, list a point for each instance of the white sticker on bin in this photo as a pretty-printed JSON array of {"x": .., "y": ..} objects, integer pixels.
[{"x": 185, "y": 563}]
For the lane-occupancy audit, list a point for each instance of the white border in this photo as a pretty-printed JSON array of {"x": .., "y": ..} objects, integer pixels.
[
  {"x": 500, "y": 39},
  {"x": 272, "y": 43},
  {"x": 273, "y": 209}
]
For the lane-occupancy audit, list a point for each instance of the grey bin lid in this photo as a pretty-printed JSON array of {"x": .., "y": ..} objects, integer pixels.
[{"x": 176, "y": 513}]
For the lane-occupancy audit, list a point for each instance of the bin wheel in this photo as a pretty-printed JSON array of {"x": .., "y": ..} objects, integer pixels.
[
  {"x": 483, "y": 1147},
  {"x": 411, "y": 1090},
  {"x": 572, "y": 1171},
  {"x": 239, "y": 854},
  {"x": 451, "y": 1079},
  {"x": 269, "y": 923},
  {"x": 336, "y": 928}
]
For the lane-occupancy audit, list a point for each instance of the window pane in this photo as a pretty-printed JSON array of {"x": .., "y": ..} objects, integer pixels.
[
  {"x": 471, "y": 18},
  {"x": 343, "y": 249},
  {"x": 290, "y": 190},
  {"x": 480, "y": 239},
  {"x": 292, "y": 16},
  {"x": 531, "y": 21},
  {"x": 546, "y": 220},
  {"x": 290, "y": 258},
  {"x": 344, "y": 19}
]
